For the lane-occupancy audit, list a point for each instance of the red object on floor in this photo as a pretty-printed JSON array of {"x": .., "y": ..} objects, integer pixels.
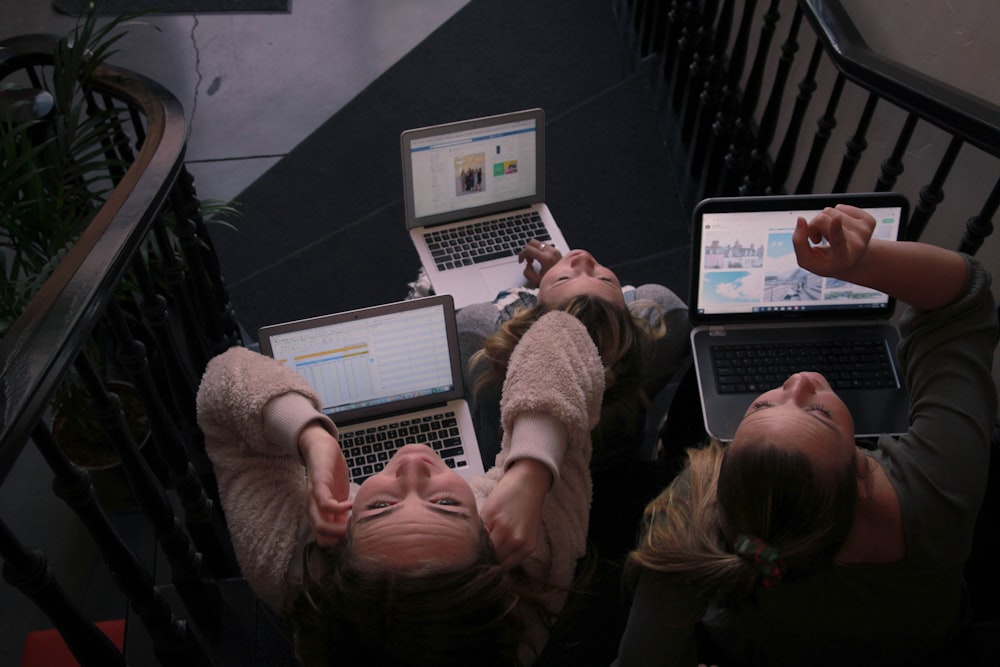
[{"x": 46, "y": 648}]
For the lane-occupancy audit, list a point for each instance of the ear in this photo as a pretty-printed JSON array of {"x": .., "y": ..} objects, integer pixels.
[{"x": 862, "y": 467}]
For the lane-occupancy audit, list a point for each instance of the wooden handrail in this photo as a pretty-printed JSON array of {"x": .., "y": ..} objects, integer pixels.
[{"x": 39, "y": 348}]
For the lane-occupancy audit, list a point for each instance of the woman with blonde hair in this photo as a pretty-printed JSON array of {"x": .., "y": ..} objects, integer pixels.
[{"x": 791, "y": 545}]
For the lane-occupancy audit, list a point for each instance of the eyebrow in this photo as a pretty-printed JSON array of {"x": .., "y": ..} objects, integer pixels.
[{"x": 434, "y": 508}]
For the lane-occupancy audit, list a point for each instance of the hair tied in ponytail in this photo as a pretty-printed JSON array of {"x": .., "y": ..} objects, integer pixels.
[{"x": 762, "y": 556}]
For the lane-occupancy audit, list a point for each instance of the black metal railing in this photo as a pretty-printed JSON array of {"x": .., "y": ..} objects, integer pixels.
[
  {"x": 738, "y": 82},
  {"x": 143, "y": 281}
]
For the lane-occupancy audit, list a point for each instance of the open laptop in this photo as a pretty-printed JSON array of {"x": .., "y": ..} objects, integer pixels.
[
  {"x": 388, "y": 375},
  {"x": 474, "y": 194},
  {"x": 750, "y": 299}
]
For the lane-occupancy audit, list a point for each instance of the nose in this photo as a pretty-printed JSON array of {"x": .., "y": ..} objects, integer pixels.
[
  {"x": 583, "y": 261},
  {"x": 800, "y": 386},
  {"x": 413, "y": 471}
]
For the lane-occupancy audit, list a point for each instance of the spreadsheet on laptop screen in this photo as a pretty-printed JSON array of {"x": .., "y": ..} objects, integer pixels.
[{"x": 371, "y": 361}]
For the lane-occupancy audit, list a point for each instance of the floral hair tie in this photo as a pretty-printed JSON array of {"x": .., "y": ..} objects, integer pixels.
[{"x": 764, "y": 557}]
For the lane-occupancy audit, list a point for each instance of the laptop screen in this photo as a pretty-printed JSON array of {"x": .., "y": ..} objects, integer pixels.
[
  {"x": 358, "y": 364},
  {"x": 471, "y": 168},
  {"x": 745, "y": 265}
]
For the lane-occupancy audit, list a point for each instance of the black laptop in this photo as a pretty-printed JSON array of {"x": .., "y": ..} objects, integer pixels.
[{"x": 757, "y": 317}]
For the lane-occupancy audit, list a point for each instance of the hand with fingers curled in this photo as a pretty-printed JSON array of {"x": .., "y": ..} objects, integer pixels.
[
  {"x": 512, "y": 513},
  {"x": 328, "y": 487},
  {"x": 834, "y": 242},
  {"x": 545, "y": 254}
]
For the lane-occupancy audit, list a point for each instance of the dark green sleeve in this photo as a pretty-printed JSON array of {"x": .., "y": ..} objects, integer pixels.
[{"x": 939, "y": 466}]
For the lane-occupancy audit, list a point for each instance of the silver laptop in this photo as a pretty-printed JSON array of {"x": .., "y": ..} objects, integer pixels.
[
  {"x": 388, "y": 375},
  {"x": 474, "y": 194},
  {"x": 757, "y": 317}
]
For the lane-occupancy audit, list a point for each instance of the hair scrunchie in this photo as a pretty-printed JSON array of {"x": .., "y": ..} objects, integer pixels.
[{"x": 762, "y": 556}]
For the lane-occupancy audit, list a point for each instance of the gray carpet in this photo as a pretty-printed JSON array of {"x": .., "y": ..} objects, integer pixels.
[{"x": 323, "y": 229}]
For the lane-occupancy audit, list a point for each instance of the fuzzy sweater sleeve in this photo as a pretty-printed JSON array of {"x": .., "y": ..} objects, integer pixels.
[
  {"x": 251, "y": 409},
  {"x": 554, "y": 370},
  {"x": 551, "y": 400}
]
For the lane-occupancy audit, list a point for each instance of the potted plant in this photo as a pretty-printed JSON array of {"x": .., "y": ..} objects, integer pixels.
[{"x": 59, "y": 160}]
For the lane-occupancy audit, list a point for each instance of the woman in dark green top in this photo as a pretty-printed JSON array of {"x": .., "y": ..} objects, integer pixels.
[{"x": 791, "y": 545}]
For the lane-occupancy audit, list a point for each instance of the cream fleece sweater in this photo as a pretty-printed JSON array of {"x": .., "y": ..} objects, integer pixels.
[{"x": 251, "y": 410}]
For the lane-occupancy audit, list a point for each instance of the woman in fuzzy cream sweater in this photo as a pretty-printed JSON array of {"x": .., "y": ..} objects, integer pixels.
[{"x": 415, "y": 566}]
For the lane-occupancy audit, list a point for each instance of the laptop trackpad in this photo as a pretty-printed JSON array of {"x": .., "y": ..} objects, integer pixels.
[{"x": 503, "y": 276}]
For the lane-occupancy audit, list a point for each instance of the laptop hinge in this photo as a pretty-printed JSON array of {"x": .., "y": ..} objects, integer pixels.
[{"x": 716, "y": 330}]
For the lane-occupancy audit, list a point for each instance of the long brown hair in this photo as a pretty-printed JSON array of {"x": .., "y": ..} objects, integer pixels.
[
  {"x": 352, "y": 611},
  {"x": 621, "y": 339}
]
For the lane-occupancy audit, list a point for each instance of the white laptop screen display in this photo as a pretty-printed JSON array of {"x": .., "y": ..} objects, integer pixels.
[
  {"x": 473, "y": 168},
  {"x": 747, "y": 265},
  {"x": 372, "y": 361}
]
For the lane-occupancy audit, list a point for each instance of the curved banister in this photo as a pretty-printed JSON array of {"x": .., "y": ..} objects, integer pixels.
[
  {"x": 971, "y": 118},
  {"x": 39, "y": 348}
]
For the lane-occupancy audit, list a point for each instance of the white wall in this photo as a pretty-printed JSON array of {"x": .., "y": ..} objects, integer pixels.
[
  {"x": 951, "y": 41},
  {"x": 954, "y": 42}
]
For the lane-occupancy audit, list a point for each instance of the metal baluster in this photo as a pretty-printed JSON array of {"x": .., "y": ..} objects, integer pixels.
[
  {"x": 932, "y": 194},
  {"x": 175, "y": 275},
  {"x": 647, "y": 17},
  {"x": 682, "y": 61},
  {"x": 980, "y": 226},
  {"x": 735, "y": 160},
  {"x": 856, "y": 145},
  {"x": 725, "y": 118},
  {"x": 180, "y": 377},
  {"x": 824, "y": 128},
  {"x": 756, "y": 174},
  {"x": 173, "y": 642},
  {"x": 786, "y": 154},
  {"x": 217, "y": 313},
  {"x": 708, "y": 100},
  {"x": 698, "y": 70},
  {"x": 29, "y": 571},
  {"x": 663, "y": 66},
  {"x": 658, "y": 23},
  {"x": 893, "y": 167},
  {"x": 200, "y": 594},
  {"x": 671, "y": 34},
  {"x": 202, "y": 519}
]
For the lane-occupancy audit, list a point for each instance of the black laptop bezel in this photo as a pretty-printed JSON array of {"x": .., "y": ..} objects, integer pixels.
[{"x": 784, "y": 203}]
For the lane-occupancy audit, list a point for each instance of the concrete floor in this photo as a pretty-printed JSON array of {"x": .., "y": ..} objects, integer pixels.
[{"x": 252, "y": 87}]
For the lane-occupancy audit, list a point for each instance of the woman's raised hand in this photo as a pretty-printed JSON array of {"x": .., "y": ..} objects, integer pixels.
[
  {"x": 328, "y": 486},
  {"x": 547, "y": 256},
  {"x": 512, "y": 513},
  {"x": 834, "y": 242}
]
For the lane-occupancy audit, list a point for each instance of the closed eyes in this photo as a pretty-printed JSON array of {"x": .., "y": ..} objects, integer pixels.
[{"x": 812, "y": 407}]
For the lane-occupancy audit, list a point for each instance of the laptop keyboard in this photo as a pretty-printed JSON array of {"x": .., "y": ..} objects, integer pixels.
[
  {"x": 485, "y": 240},
  {"x": 367, "y": 450},
  {"x": 756, "y": 368}
]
